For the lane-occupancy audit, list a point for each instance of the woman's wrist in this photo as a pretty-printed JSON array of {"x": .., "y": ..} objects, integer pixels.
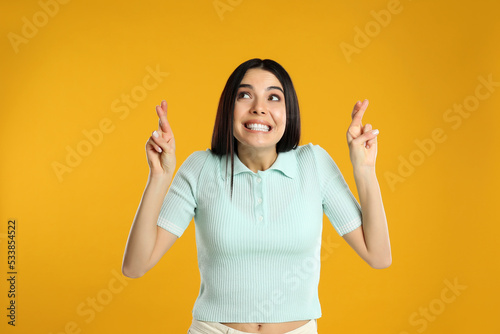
[
  {"x": 162, "y": 179},
  {"x": 364, "y": 171}
]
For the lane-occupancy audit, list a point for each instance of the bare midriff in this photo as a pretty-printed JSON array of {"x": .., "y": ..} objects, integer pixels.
[{"x": 267, "y": 328}]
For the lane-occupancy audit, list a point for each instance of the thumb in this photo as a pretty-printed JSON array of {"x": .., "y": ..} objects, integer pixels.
[
  {"x": 371, "y": 138},
  {"x": 368, "y": 135}
]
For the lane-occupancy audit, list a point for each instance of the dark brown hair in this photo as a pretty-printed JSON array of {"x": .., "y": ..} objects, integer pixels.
[{"x": 223, "y": 141}]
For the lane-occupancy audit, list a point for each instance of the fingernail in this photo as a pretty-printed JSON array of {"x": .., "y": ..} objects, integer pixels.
[
  {"x": 159, "y": 150},
  {"x": 375, "y": 132},
  {"x": 155, "y": 134}
]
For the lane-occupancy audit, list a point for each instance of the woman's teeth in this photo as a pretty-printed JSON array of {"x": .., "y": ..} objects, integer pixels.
[{"x": 257, "y": 127}]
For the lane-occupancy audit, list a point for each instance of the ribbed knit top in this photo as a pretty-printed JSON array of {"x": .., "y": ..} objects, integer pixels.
[{"x": 259, "y": 253}]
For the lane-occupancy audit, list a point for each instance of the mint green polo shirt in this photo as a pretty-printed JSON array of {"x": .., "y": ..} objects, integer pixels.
[{"x": 259, "y": 254}]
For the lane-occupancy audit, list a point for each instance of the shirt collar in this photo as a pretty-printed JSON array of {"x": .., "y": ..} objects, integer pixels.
[{"x": 286, "y": 163}]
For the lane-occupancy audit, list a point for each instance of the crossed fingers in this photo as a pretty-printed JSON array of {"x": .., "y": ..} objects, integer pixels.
[{"x": 164, "y": 128}]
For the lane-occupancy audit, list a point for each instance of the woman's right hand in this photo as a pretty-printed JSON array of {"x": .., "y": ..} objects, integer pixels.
[{"x": 160, "y": 150}]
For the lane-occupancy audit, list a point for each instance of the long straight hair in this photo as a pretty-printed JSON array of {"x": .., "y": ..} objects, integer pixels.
[{"x": 223, "y": 140}]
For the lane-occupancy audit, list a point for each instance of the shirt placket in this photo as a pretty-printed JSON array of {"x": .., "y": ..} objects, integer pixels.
[{"x": 259, "y": 181}]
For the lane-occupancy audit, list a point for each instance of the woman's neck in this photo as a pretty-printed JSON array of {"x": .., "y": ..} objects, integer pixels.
[{"x": 257, "y": 159}]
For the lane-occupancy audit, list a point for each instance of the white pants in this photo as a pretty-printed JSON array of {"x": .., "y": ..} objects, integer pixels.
[{"x": 206, "y": 327}]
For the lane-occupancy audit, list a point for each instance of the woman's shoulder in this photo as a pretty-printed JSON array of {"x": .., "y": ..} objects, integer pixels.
[
  {"x": 317, "y": 155},
  {"x": 199, "y": 155},
  {"x": 197, "y": 160},
  {"x": 310, "y": 149}
]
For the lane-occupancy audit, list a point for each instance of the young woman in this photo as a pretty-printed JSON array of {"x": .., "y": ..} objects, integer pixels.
[{"x": 258, "y": 199}]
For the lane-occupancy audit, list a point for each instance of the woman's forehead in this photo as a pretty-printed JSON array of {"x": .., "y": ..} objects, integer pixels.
[{"x": 258, "y": 74}]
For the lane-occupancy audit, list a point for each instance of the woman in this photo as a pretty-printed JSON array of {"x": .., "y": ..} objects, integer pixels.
[{"x": 258, "y": 201}]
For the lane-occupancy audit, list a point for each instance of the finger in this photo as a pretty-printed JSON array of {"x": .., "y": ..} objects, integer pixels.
[
  {"x": 371, "y": 142},
  {"x": 162, "y": 117},
  {"x": 156, "y": 138},
  {"x": 155, "y": 146},
  {"x": 359, "y": 109},
  {"x": 358, "y": 112},
  {"x": 366, "y": 129},
  {"x": 366, "y": 137},
  {"x": 163, "y": 123}
]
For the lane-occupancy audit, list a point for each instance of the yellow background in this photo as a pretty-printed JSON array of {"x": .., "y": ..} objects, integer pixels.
[{"x": 71, "y": 233}]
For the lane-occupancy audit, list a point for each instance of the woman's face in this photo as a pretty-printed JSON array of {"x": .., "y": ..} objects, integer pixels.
[{"x": 259, "y": 110}]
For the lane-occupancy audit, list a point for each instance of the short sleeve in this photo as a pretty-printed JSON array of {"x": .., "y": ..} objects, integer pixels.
[
  {"x": 179, "y": 204},
  {"x": 339, "y": 204}
]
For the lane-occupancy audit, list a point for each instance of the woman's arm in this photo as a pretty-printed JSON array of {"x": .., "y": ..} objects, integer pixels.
[
  {"x": 371, "y": 239},
  {"x": 147, "y": 242},
  {"x": 145, "y": 238}
]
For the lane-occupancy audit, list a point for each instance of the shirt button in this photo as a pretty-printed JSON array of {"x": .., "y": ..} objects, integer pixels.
[
  {"x": 260, "y": 218},
  {"x": 259, "y": 200},
  {"x": 259, "y": 180}
]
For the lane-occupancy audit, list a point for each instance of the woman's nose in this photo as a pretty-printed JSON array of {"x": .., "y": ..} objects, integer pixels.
[
  {"x": 258, "y": 108},
  {"x": 259, "y": 111}
]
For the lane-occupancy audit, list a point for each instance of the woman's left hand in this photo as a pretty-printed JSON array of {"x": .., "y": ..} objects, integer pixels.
[{"x": 361, "y": 140}]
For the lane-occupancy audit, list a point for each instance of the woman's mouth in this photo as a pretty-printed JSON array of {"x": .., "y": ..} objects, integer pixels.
[{"x": 257, "y": 127}]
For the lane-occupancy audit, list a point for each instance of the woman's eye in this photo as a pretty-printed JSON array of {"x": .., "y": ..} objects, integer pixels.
[
  {"x": 275, "y": 98},
  {"x": 242, "y": 94}
]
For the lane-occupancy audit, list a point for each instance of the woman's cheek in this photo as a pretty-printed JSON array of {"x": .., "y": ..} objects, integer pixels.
[{"x": 282, "y": 116}]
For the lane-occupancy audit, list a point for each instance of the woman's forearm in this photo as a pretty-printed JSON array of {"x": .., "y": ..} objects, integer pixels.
[
  {"x": 375, "y": 228},
  {"x": 142, "y": 236}
]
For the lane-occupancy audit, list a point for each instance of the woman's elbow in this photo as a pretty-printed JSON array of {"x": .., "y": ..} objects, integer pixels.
[
  {"x": 131, "y": 274},
  {"x": 381, "y": 263}
]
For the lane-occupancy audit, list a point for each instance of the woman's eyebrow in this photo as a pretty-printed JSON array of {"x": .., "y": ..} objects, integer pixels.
[{"x": 268, "y": 88}]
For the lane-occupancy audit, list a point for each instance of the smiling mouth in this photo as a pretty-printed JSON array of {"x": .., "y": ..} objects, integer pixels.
[{"x": 258, "y": 127}]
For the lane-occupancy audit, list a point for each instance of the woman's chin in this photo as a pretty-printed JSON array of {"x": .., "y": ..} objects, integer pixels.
[{"x": 256, "y": 146}]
